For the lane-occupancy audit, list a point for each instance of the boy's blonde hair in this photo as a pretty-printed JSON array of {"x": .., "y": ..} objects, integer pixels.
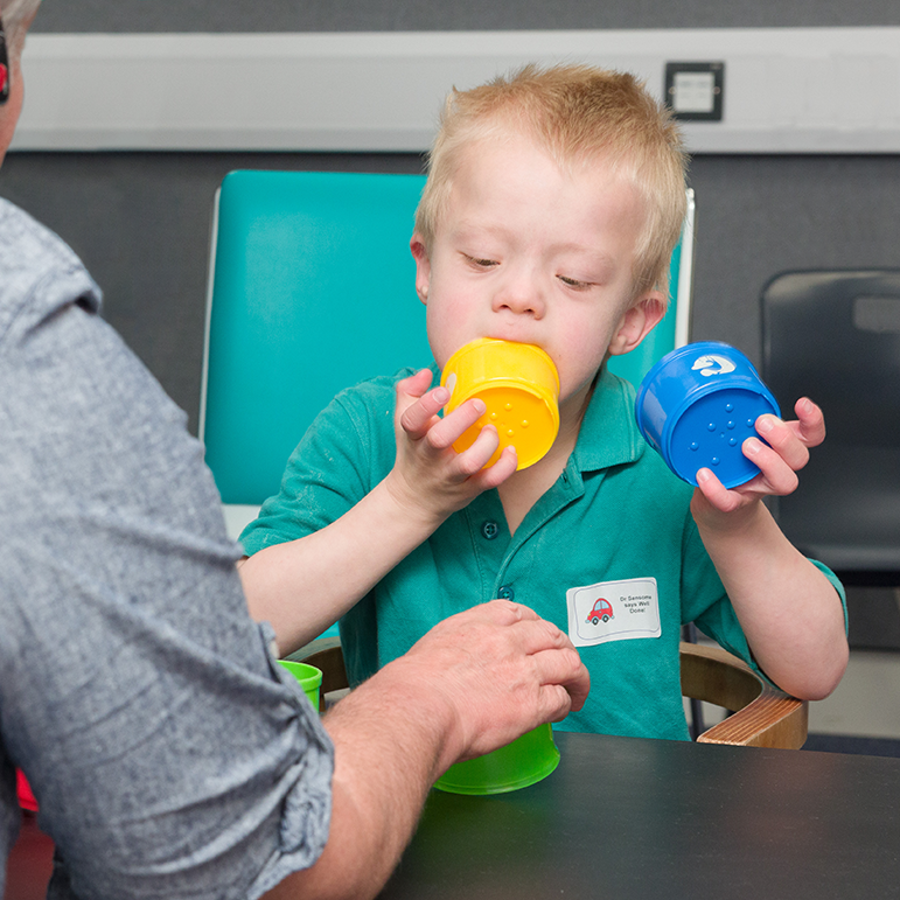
[{"x": 580, "y": 114}]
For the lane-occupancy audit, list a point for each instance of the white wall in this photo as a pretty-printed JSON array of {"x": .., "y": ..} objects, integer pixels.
[{"x": 787, "y": 90}]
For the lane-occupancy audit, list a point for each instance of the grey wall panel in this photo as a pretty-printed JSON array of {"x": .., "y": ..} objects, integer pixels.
[
  {"x": 141, "y": 222},
  {"x": 760, "y": 215},
  {"x": 427, "y": 15}
]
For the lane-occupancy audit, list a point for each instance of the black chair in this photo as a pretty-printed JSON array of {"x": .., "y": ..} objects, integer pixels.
[{"x": 835, "y": 336}]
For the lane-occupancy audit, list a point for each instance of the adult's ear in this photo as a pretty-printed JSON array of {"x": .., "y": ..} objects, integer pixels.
[
  {"x": 637, "y": 322},
  {"x": 423, "y": 266},
  {"x": 4, "y": 67}
]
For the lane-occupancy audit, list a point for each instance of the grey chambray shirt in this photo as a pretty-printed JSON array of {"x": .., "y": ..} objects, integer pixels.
[{"x": 170, "y": 755}]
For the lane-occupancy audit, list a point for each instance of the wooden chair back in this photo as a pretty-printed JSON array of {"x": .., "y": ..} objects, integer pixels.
[{"x": 762, "y": 716}]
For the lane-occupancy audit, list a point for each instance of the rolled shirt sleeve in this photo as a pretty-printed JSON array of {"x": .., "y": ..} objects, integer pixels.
[{"x": 171, "y": 756}]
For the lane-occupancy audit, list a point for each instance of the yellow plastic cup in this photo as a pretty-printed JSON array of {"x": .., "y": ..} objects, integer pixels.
[
  {"x": 519, "y": 385},
  {"x": 526, "y": 761},
  {"x": 310, "y": 678}
]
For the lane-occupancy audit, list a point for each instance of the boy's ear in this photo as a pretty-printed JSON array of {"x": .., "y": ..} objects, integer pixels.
[
  {"x": 423, "y": 266},
  {"x": 639, "y": 320}
]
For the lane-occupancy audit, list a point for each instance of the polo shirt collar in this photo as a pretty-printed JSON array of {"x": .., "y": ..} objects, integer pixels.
[{"x": 609, "y": 435}]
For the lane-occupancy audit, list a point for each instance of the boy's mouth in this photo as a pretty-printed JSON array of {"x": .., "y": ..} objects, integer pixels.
[{"x": 513, "y": 340}]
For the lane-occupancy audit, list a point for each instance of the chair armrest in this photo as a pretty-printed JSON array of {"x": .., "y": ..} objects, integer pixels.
[{"x": 763, "y": 715}]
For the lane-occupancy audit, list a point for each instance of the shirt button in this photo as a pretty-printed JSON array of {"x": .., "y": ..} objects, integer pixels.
[
  {"x": 490, "y": 530},
  {"x": 506, "y": 593}
]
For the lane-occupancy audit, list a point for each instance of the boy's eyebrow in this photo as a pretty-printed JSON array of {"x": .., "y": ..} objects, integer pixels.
[
  {"x": 478, "y": 230},
  {"x": 590, "y": 263},
  {"x": 468, "y": 227},
  {"x": 603, "y": 265}
]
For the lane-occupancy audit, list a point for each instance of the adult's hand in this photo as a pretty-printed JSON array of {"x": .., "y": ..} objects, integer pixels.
[
  {"x": 501, "y": 670},
  {"x": 475, "y": 682}
]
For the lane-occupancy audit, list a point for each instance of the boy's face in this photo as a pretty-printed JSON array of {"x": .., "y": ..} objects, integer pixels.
[{"x": 528, "y": 252}]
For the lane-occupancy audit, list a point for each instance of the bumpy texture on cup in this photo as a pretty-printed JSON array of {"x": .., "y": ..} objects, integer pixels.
[
  {"x": 519, "y": 385},
  {"x": 698, "y": 405},
  {"x": 526, "y": 761}
]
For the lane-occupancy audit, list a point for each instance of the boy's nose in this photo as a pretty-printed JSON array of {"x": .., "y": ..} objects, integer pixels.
[{"x": 521, "y": 296}]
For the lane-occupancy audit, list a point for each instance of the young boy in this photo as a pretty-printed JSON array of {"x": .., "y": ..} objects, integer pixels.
[{"x": 553, "y": 202}]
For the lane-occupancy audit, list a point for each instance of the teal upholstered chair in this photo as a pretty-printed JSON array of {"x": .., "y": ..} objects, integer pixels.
[{"x": 312, "y": 289}]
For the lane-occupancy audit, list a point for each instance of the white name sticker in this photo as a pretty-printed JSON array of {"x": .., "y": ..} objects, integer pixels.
[{"x": 613, "y": 611}]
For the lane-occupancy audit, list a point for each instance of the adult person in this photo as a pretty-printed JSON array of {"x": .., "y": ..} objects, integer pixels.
[{"x": 170, "y": 755}]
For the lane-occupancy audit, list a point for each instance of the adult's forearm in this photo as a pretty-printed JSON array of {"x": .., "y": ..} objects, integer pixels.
[
  {"x": 476, "y": 681},
  {"x": 392, "y": 740}
]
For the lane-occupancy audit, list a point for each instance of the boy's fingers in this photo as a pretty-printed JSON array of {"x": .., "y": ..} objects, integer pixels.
[
  {"x": 449, "y": 429},
  {"x": 414, "y": 386},
  {"x": 779, "y": 472},
  {"x": 419, "y": 417},
  {"x": 782, "y": 438},
  {"x": 811, "y": 422},
  {"x": 716, "y": 492},
  {"x": 475, "y": 457},
  {"x": 494, "y": 475},
  {"x": 416, "y": 405}
]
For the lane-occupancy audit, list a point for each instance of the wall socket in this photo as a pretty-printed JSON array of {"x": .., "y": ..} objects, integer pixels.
[{"x": 695, "y": 91}]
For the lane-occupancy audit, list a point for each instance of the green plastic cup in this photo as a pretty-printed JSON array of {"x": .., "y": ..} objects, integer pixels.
[
  {"x": 526, "y": 761},
  {"x": 310, "y": 678}
]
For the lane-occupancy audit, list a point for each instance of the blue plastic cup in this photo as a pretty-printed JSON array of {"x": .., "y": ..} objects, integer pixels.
[{"x": 698, "y": 405}]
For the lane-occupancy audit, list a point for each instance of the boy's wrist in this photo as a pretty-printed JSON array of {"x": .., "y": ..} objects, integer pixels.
[
  {"x": 407, "y": 502},
  {"x": 742, "y": 517}
]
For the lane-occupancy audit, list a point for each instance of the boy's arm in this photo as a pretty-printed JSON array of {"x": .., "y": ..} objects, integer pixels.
[
  {"x": 790, "y": 613},
  {"x": 302, "y": 587}
]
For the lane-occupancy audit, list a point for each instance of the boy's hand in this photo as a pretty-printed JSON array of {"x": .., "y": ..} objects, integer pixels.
[
  {"x": 784, "y": 451},
  {"x": 429, "y": 475}
]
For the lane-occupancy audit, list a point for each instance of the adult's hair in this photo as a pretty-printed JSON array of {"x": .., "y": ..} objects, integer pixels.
[
  {"x": 580, "y": 115},
  {"x": 16, "y": 13}
]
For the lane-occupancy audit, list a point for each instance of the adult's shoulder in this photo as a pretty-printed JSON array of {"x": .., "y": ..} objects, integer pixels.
[{"x": 39, "y": 272}]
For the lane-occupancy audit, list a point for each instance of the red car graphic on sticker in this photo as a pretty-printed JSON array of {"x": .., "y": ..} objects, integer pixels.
[{"x": 602, "y": 610}]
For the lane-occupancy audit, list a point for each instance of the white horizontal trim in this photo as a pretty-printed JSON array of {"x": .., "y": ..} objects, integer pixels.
[
  {"x": 786, "y": 89},
  {"x": 238, "y": 517}
]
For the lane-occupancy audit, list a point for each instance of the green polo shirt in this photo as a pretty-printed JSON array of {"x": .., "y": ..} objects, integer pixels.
[{"x": 610, "y": 554}]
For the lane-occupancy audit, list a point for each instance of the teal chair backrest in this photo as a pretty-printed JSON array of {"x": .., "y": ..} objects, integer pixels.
[{"x": 312, "y": 289}]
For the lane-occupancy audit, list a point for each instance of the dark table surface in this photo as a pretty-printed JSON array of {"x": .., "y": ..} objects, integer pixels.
[{"x": 624, "y": 818}]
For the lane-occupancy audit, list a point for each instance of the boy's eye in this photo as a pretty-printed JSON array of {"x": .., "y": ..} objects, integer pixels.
[
  {"x": 574, "y": 282},
  {"x": 480, "y": 262}
]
